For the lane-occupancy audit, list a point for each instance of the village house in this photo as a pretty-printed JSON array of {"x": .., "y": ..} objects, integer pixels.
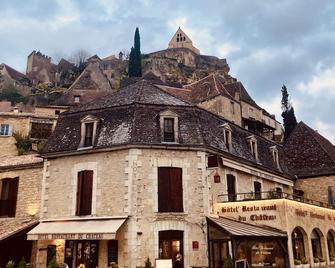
[
  {"x": 12, "y": 79},
  {"x": 137, "y": 175},
  {"x": 20, "y": 188}
]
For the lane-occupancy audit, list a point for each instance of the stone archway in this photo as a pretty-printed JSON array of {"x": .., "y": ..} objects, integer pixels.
[
  {"x": 299, "y": 242},
  {"x": 331, "y": 244},
  {"x": 317, "y": 240}
]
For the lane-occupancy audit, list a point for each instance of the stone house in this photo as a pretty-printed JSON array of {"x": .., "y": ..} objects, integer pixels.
[
  {"x": 36, "y": 126},
  {"x": 137, "y": 175},
  {"x": 13, "y": 79},
  {"x": 20, "y": 188},
  {"x": 181, "y": 40}
]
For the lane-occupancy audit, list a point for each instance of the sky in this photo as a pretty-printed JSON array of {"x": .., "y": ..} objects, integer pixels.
[{"x": 267, "y": 43}]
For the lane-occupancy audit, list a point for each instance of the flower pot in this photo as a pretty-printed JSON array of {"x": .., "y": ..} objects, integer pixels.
[
  {"x": 316, "y": 264},
  {"x": 322, "y": 264},
  {"x": 332, "y": 263},
  {"x": 305, "y": 265},
  {"x": 298, "y": 266}
]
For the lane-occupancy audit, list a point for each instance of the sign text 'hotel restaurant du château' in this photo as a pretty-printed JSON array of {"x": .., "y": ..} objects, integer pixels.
[{"x": 280, "y": 213}]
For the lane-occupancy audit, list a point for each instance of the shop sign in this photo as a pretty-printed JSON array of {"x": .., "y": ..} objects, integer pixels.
[
  {"x": 255, "y": 213},
  {"x": 313, "y": 215},
  {"x": 75, "y": 236}
]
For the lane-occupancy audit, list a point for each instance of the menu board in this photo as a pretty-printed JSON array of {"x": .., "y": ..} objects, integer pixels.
[{"x": 167, "y": 263}]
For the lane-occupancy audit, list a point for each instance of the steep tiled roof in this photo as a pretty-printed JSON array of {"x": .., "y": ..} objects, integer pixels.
[
  {"x": 131, "y": 117},
  {"x": 237, "y": 87},
  {"x": 14, "y": 74},
  {"x": 10, "y": 162},
  {"x": 308, "y": 154}
]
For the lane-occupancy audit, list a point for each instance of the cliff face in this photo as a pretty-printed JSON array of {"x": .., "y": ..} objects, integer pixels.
[{"x": 182, "y": 65}]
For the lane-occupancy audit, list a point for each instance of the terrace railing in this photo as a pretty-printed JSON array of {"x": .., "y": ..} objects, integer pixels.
[{"x": 223, "y": 198}]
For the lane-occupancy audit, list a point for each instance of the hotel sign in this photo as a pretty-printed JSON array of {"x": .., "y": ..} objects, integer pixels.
[
  {"x": 76, "y": 236},
  {"x": 251, "y": 213}
]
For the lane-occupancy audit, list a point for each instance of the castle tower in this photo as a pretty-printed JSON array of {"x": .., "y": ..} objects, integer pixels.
[{"x": 181, "y": 40}]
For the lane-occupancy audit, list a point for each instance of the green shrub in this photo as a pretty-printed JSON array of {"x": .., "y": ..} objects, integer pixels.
[
  {"x": 10, "y": 264},
  {"x": 297, "y": 262},
  {"x": 53, "y": 263},
  {"x": 23, "y": 144},
  {"x": 316, "y": 260},
  {"x": 148, "y": 264},
  {"x": 22, "y": 263},
  {"x": 304, "y": 261},
  {"x": 228, "y": 263}
]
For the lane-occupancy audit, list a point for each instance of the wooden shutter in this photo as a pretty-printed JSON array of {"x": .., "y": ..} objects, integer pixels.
[
  {"x": 86, "y": 202},
  {"x": 231, "y": 188},
  {"x": 163, "y": 189},
  {"x": 176, "y": 190},
  {"x": 79, "y": 192},
  {"x": 12, "y": 196},
  {"x": 112, "y": 252}
]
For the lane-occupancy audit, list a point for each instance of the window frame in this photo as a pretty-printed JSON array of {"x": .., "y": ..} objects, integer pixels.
[
  {"x": 8, "y": 204},
  {"x": 275, "y": 155},
  {"x": 88, "y": 119},
  {"x": 227, "y": 136},
  {"x": 170, "y": 200},
  {"x": 83, "y": 197},
  {"x": 253, "y": 147},
  {"x": 5, "y": 132},
  {"x": 168, "y": 114}
]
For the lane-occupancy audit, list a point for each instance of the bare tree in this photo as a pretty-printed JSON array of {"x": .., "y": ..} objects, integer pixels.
[{"x": 78, "y": 57}]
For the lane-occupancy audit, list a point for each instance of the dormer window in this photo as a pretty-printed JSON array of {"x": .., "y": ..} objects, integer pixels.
[
  {"x": 88, "y": 131},
  {"x": 275, "y": 156},
  {"x": 169, "y": 126},
  {"x": 227, "y": 135},
  {"x": 253, "y": 146},
  {"x": 169, "y": 130}
]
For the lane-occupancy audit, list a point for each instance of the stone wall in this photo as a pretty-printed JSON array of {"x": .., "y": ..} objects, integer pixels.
[
  {"x": 316, "y": 188},
  {"x": 125, "y": 184},
  {"x": 224, "y": 107}
]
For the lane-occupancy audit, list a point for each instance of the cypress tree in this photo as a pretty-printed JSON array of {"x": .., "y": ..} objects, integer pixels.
[
  {"x": 288, "y": 115},
  {"x": 135, "y": 65}
]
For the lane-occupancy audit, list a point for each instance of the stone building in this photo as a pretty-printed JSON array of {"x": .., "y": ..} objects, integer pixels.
[
  {"x": 229, "y": 98},
  {"x": 138, "y": 173},
  {"x": 311, "y": 158},
  {"x": 20, "y": 188},
  {"x": 40, "y": 69},
  {"x": 36, "y": 126},
  {"x": 181, "y": 40},
  {"x": 13, "y": 79}
]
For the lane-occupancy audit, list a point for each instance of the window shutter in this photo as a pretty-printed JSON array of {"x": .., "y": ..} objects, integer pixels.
[
  {"x": 163, "y": 189},
  {"x": 79, "y": 192},
  {"x": 176, "y": 189},
  {"x": 112, "y": 252},
  {"x": 10, "y": 130},
  {"x": 12, "y": 196},
  {"x": 87, "y": 193}
]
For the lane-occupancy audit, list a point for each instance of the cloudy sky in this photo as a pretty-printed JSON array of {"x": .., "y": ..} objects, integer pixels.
[{"x": 267, "y": 43}]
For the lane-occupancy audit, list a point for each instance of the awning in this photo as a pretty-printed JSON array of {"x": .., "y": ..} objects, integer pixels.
[
  {"x": 77, "y": 229},
  {"x": 237, "y": 228}
]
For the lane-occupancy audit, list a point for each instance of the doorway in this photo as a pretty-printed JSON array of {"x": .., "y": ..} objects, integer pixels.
[
  {"x": 231, "y": 188},
  {"x": 220, "y": 252},
  {"x": 171, "y": 247}
]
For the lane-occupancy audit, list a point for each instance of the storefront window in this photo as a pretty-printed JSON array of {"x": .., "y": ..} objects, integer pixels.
[
  {"x": 298, "y": 244},
  {"x": 331, "y": 244},
  {"x": 267, "y": 254},
  {"x": 316, "y": 244},
  {"x": 82, "y": 252}
]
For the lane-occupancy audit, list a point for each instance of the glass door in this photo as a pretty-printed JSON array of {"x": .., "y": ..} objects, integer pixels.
[{"x": 171, "y": 247}]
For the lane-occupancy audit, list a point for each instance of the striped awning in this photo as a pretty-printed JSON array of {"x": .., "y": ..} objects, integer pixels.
[{"x": 237, "y": 228}]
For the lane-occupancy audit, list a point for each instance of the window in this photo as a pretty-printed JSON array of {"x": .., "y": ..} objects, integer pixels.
[
  {"x": 88, "y": 131},
  {"x": 88, "y": 141},
  {"x": 169, "y": 129},
  {"x": 258, "y": 190},
  {"x": 298, "y": 244},
  {"x": 84, "y": 193},
  {"x": 212, "y": 161},
  {"x": 5, "y": 130},
  {"x": 275, "y": 157},
  {"x": 112, "y": 252},
  {"x": 169, "y": 126},
  {"x": 40, "y": 130},
  {"x": 231, "y": 187},
  {"x": 253, "y": 147},
  {"x": 57, "y": 112},
  {"x": 170, "y": 189},
  {"x": 76, "y": 99},
  {"x": 8, "y": 196},
  {"x": 232, "y": 107}
]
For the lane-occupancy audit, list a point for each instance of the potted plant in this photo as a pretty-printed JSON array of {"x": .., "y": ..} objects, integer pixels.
[
  {"x": 304, "y": 263},
  {"x": 322, "y": 261},
  {"x": 297, "y": 263},
  {"x": 316, "y": 262},
  {"x": 332, "y": 260}
]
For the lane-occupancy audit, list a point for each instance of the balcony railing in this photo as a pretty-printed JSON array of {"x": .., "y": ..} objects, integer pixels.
[{"x": 223, "y": 198}]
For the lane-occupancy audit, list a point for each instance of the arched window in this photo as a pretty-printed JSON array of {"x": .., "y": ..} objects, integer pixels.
[
  {"x": 298, "y": 244},
  {"x": 316, "y": 244},
  {"x": 331, "y": 244}
]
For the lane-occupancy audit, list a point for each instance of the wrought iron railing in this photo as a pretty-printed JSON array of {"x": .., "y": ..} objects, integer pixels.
[{"x": 223, "y": 198}]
